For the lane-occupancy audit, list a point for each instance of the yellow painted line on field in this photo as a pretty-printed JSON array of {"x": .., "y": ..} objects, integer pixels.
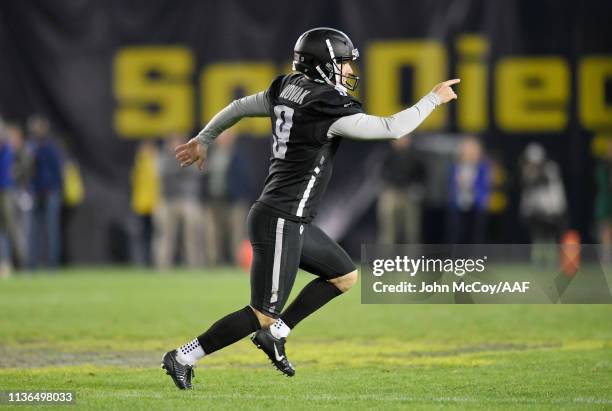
[
  {"x": 585, "y": 345},
  {"x": 349, "y": 353}
]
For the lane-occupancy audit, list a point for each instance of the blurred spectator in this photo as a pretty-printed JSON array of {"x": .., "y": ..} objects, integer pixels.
[
  {"x": 22, "y": 174},
  {"x": 9, "y": 233},
  {"x": 603, "y": 203},
  {"x": 47, "y": 186},
  {"x": 74, "y": 191},
  {"x": 543, "y": 203},
  {"x": 400, "y": 202},
  {"x": 227, "y": 178},
  {"x": 22, "y": 178},
  {"x": 240, "y": 196},
  {"x": 145, "y": 195},
  {"x": 178, "y": 209},
  {"x": 498, "y": 200},
  {"x": 469, "y": 187},
  {"x": 6, "y": 163},
  {"x": 74, "y": 194}
]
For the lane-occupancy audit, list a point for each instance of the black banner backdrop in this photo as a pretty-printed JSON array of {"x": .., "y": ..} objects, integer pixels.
[{"x": 59, "y": 58}]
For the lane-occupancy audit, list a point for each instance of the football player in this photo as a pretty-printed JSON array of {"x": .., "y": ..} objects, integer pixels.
[{"x": 311, "y": 112}]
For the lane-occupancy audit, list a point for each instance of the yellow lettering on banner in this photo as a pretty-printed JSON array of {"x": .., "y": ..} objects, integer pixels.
[
  {"x": 383, "y": 64},
  {"x": 532, "y": 94},
  {"x": 601, "y": 144},
  {"x": 593, "y": 72},
  {"x": 152, "y": 85},
  {"x": 472, "y": 107},
  {"x": 219, "y": 83}
]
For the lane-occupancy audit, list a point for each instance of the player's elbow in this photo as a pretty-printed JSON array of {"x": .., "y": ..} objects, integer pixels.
[
  {"x": 394, "y": 134},
  {"x": 397, "y": 135},
  {"x": 393, "y": 130}
]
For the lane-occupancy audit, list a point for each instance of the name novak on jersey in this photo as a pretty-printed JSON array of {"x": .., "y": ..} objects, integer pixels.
[{"x": 294, "y": 93}]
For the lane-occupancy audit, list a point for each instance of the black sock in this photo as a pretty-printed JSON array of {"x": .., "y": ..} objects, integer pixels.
[
  {"x": 315, "y": 295},
  {"x": 228, "y": 330}
]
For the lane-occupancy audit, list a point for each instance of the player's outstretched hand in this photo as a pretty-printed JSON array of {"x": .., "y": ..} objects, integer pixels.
[
  {"x": 191, "y": 152},
  {"x": 445, "y": 91}
]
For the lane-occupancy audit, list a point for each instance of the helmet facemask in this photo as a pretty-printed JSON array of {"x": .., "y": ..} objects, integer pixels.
[
  {"x": 349, "y": 81},
  {"x": 334, "y": 68}
]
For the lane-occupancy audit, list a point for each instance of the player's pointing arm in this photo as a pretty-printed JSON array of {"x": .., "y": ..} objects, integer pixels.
[
  {"x": 194, "y": 151},
  {"x": 366, "y": 127}
]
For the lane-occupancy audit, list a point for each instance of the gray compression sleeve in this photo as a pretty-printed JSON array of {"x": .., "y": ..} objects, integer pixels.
[
  {"x": 366, "y": 127},
  {"x": 256, "y": 105}
]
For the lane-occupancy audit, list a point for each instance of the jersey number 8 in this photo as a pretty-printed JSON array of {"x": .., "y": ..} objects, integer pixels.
[{"x": 283, "y": 120}]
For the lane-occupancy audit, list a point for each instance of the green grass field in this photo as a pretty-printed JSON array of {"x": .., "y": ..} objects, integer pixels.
[{"x": 101, "y": 333}]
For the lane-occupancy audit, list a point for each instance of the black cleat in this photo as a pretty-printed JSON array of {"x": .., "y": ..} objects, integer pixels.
[
  {"x": 274, "y": 349},
  {"x": 181, "y": 374}
]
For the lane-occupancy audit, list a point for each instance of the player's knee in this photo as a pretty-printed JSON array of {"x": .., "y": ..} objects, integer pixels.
[
  {"x": 345, "y": 282},
  {"x": 265, "y": 321}
]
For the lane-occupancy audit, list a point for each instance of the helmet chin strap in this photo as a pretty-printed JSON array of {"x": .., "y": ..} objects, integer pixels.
[
  {"x": 341, "y": 89},
  {"x": 324, "y": 77}
]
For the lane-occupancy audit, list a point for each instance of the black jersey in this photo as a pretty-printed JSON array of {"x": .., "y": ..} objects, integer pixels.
[{"x": 302, "y": 111}]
